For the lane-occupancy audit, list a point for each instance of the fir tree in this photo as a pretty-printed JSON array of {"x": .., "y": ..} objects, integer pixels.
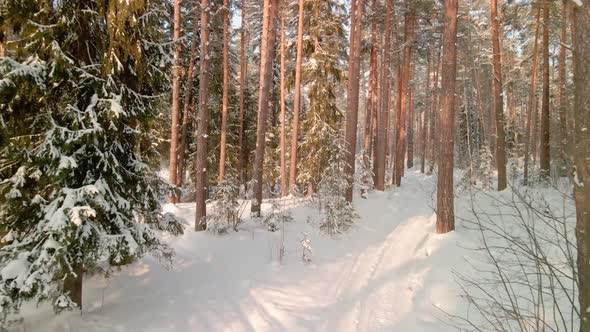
[{"x": 80, "y": 96}]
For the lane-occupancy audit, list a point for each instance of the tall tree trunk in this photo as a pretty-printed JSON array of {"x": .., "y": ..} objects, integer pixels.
[
  {"x": 425, "y": 111},
  {"x": 266, "y": 60},
  {"x": 545, "y": 157},
  {"x": 381, "y": 143},
  {"x": 353, "y": 95},
  {"x": 201, "y": 186},
  {"x": 402, "y": 97},
  {"x": 225, "y": 93},
  {"x": 175, "y": 102},
  {"x": 498, "y": 98},
  {"x": 561, "y": 94},
  {"x": 243, "y": 69},
  {"x": 284, "y": 189},
  {"x": 434, "y": 115},
  {"x": 188, "y": 102},
  {"x": 243, "y": 72},
  {"x": 410, "y": 158},
  {"x": 445, "y": 215},
  {"x": 297, "y": 101},
  {"x": 581, "y": 151},
  {"x": 531, "y": 105}
]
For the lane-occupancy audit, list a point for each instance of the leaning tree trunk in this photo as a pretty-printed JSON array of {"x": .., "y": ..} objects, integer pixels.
[
  {"x": 498, "y": 98},
  {"x": 296, "y": 102},
  {"x": 531, "y": 105},
  {"x": 266, "y": 60},
  {"x": 381, "y": 143},
  {"x": 544, "y": 156},
  {"x": 175, "y": 102},
  {"x": 445, "y": 215},
  {"x": 188, "y": 103},
  {"x": 202, "y": 122},
  {"x": 353, "y": 95},
  {"x": 225, "y": 93},
  {"x": 581, "y": 153}
]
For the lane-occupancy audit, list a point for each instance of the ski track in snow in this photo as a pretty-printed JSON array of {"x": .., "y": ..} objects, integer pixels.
[{"x": 380, "y": 276}]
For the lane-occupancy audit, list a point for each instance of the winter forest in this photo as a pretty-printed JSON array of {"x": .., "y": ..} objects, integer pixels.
[{"x": 303, "y": 165}]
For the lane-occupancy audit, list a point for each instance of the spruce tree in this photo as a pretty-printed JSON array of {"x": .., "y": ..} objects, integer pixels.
[{"x": 81, "y": 91}]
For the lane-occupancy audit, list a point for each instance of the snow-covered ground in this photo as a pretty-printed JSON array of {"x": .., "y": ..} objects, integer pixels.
[{"x": 391, "y": 272}]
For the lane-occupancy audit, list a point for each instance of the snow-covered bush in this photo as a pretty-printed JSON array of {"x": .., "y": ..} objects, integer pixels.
[
  {"x": 277, "y": 215},
  {"x": 337, "y": 213},
  {"x": 77, "y": 190},
  {"x": 224, "y": 213},
  {"x": 484, "y": 169},
  {"x": 365, "y": 174}
]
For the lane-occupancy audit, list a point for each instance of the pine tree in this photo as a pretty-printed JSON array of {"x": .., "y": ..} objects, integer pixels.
[{"x": 76, "y": 179}]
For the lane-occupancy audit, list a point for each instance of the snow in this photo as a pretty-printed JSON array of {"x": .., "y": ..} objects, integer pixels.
[{"x": 389, "y": 272}]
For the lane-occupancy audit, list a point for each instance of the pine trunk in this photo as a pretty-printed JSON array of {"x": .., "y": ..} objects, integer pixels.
[
  {"x": 531, "y": 106},
  {"x": 581, "y": 151},
  {"x": 188, "y": 103},
  {"x": 500, "y": 143},
  {"x": 434, "y": 116},
  {"x": 175, "y": 102},
  {"x": 544, "y": 156},
  {"x": 225, "y": 93},
  {"x": 266, "y": 60},
  {"x": 381, "y": 143},
  {"x": 402, "y": 98},
  {"x": 424, "y": 127},
  {"x": 561, "y": 94},
  {"x": 410, "y": 157},
  {"x": 201, "y": 186},
  {"x": 283, "y": 143},
  {"x": 297, "y": 101},
  {"x": 445, "y": 215},
  {"x": 353, "y": 95},
  {"x": 243, "y": 68}
]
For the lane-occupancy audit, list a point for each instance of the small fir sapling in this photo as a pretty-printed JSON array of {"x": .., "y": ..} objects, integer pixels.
[
  {"x": 307, "y": 251},
  {"x": 225, "y": 206}
]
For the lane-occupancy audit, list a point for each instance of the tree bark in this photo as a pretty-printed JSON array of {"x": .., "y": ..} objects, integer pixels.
[
  {"x": 283, "y": 143},
  {"x": 410, "y": 153},
  {"x": 188, "y": 102},
  {"x": 445, "y": 215},
  {"x": 266, "y": 60},
  {"x": 297, "y": 101},
  {"x": 424, "y": 127},
  {"x": 225, "y": 93},
  {"x": 581, "y": 151},
  {"x": 531, "y": 106},
  {"x": 243, "y": 69},
  {"x": 545, "y": 157},
  {"x": 434, "y": 115},
  {"x": 402, "y": 97},
  {"x": 175, "y": 102},
  {"x": 561, "y": 94},
  {"x": 353, "y": 96},
  {"x": 381, "y": 143},
  {"x": 498, "y": 98},
  {"x": 201, "y": 186}
]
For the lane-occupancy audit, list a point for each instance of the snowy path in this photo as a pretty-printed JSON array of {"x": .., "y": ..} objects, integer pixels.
[{"x": 387, "y": 274}]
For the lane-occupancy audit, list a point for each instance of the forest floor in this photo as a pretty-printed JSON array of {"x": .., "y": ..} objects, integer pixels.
[{"x": 390, "y": 272}]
